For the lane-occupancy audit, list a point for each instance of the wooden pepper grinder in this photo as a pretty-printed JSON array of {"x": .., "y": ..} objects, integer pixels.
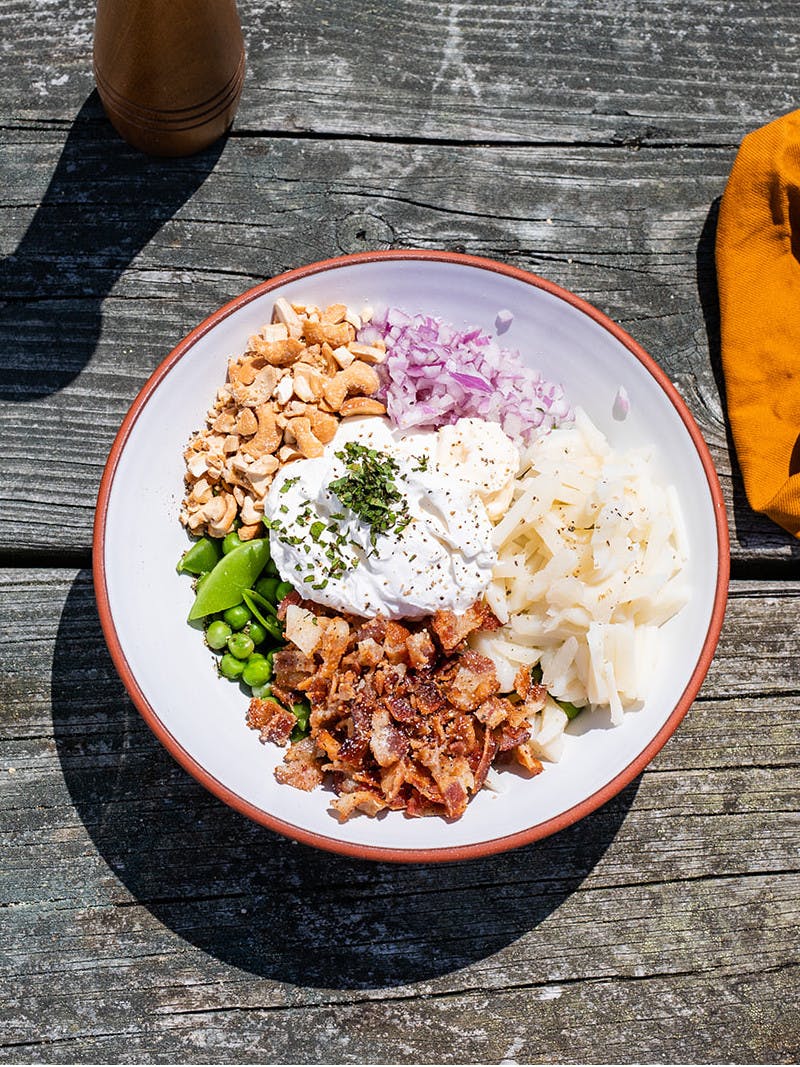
[{"x": 169, "y": 72}]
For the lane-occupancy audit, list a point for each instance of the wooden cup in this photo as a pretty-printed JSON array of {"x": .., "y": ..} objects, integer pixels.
[{"x": 169, "y": 72}]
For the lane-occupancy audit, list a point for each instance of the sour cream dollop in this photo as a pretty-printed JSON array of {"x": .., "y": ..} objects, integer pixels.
[{"x": 440, "y": 556}]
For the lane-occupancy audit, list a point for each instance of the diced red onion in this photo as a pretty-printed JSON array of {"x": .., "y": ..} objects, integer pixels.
[
  {"x": 503, "y": 320},
  {"x": 435, "y": 375},
  {"x": 622, "y": 404}
]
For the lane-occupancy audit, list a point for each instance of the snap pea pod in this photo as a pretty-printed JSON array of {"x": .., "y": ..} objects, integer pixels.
[
  {"x": 264, "y": 612},
  {"x": 223, "y": 586},
  {"x": 201, "y": 557}
]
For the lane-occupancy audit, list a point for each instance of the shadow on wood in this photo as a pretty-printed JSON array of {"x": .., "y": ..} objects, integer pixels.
[
  {"x": 258, "y": 901},
  {"x": 105, "y": 201}
]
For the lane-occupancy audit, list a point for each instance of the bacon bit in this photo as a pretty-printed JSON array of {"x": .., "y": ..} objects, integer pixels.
[
  {"x": 494, "y": 711},
  {"x": 274, "y": 723},
  {"x": 394, "y": 642},
  {"x": 300, "y": 768},
  {"x": 452, "y": 629},
  {"x": 474, "y": 681},
  {"x": 292, "y": 667},
  {"x": 421, "y": 650},
  {"x": 396, "y": 723},
  {"x": 388, "y": 744},
  {"x": 291, "y": 598},
  {"x": 523, "y": 754},
  {"x": 362, "y": 800},
  {"x": 511, "y": 736}
]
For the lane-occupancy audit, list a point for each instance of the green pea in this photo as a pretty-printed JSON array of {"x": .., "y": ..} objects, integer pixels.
[
  {"x": 271, "y": 569},
  {"x": 257, "y": 633},
  {"x": 230, "y": 666},
  {"x": 201, "y": 557},
  {"x": 262, "y": 692},
  {"x": 284, "y": 588},
  {"x": 223, "y": 586},
  {"x": 267, "y": 587},
  {"x": 231, "y": 541},
  {"x": 256, "y": 673},
  {"x": 240, "y": 645},
  {"x": 237, "y": 618},
  {"x": 217, "y": 634}
]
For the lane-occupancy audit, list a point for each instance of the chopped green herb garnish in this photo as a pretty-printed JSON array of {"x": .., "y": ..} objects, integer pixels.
[{"x": 369, "y": 489}]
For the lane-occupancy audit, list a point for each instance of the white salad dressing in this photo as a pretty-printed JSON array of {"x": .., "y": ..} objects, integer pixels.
[{"x": 441, "y": 558}]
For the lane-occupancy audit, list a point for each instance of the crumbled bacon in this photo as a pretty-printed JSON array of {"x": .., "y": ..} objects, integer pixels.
[
  {"x": 402, "y": 717},
  {"x": 274, "y": 723},
  {"x": 452, "y": 629},
  {"x": 300, "y": 767}
]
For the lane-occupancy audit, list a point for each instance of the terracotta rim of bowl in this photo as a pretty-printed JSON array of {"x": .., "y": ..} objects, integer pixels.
[{"x": 405, "y": 855}]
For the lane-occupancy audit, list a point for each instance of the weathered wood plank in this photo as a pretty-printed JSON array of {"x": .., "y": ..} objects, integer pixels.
[
  {"x": 646, "y": 72},
  {"x": 124, "y": 256},
  {"x": 144, "y": 920}
]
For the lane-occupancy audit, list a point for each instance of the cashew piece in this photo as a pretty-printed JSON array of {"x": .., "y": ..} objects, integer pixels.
[
  {"x": 308, "y": 383},
  {"x": 362, "y": 405},
  {"x": 323, "y": 426},
  {"x": 358, "y": 378},
  {"x": 308, "y": 444},
  {"x": 220, "y": 513},
  {"x": 268, "y": 436}
]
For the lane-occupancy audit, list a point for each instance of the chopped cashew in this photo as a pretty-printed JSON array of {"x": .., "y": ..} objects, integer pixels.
[
  {"x": 268, "y": 436},
  {"x": 308, "y": 444},
  {"x": 362, "y": 405},
  {"x": 285, "y": 313},
  {"x": 358, "y": 378}
]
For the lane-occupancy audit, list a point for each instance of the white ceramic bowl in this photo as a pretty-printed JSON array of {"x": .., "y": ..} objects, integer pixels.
[{"x": 200, "y": 717}]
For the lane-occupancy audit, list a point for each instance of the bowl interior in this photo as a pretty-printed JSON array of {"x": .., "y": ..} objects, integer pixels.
[{"x": 201, "y": 716}]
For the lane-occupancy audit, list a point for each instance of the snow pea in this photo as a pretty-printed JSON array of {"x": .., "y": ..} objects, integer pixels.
[
  {"x": 201, "y": 557},
  {"x": 223, "y": 586},
  {"x": 264, "y": 612}
]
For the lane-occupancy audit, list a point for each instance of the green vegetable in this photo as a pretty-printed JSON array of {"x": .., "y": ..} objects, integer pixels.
[
  {"x": 569, "y": 709},
  {"x": 237, "y": 617},
  {"x": 283, "y": 590},
  {"x": 257, "y": 633},
  {"x": 301, "y": 711},
  {"x": 267, "y": 587},
  {"x": 231, "y": 541},
  {"x": 262, "y": 692},
  {"x": 256, "y": 672},
  {"x": 230, "y": 666},
  {"x": 223, "y": 586},
  {"x": 264, "y": 612},
  {"x": 201, "y": 557},
  {"x": 240, "y": 645},
  {"x": 217, "y": 634}
]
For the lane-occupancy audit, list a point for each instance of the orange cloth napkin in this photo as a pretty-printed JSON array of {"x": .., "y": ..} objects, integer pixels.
[{"x": 758, "y": 272}]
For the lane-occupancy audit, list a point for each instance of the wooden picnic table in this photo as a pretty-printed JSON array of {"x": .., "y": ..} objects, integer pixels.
[{"x": 142, "y": 920}]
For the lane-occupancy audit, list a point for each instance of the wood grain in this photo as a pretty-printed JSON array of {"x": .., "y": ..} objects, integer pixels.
[
  {"x": 144, "y": 920},
  {"x": 100, "y": 290},
  {"x": 649, "y": 72}
]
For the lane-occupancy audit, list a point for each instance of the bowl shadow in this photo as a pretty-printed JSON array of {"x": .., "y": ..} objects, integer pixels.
[
  {"x": 103, "y": 204},
  {"x": 267, "y": 905}
]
